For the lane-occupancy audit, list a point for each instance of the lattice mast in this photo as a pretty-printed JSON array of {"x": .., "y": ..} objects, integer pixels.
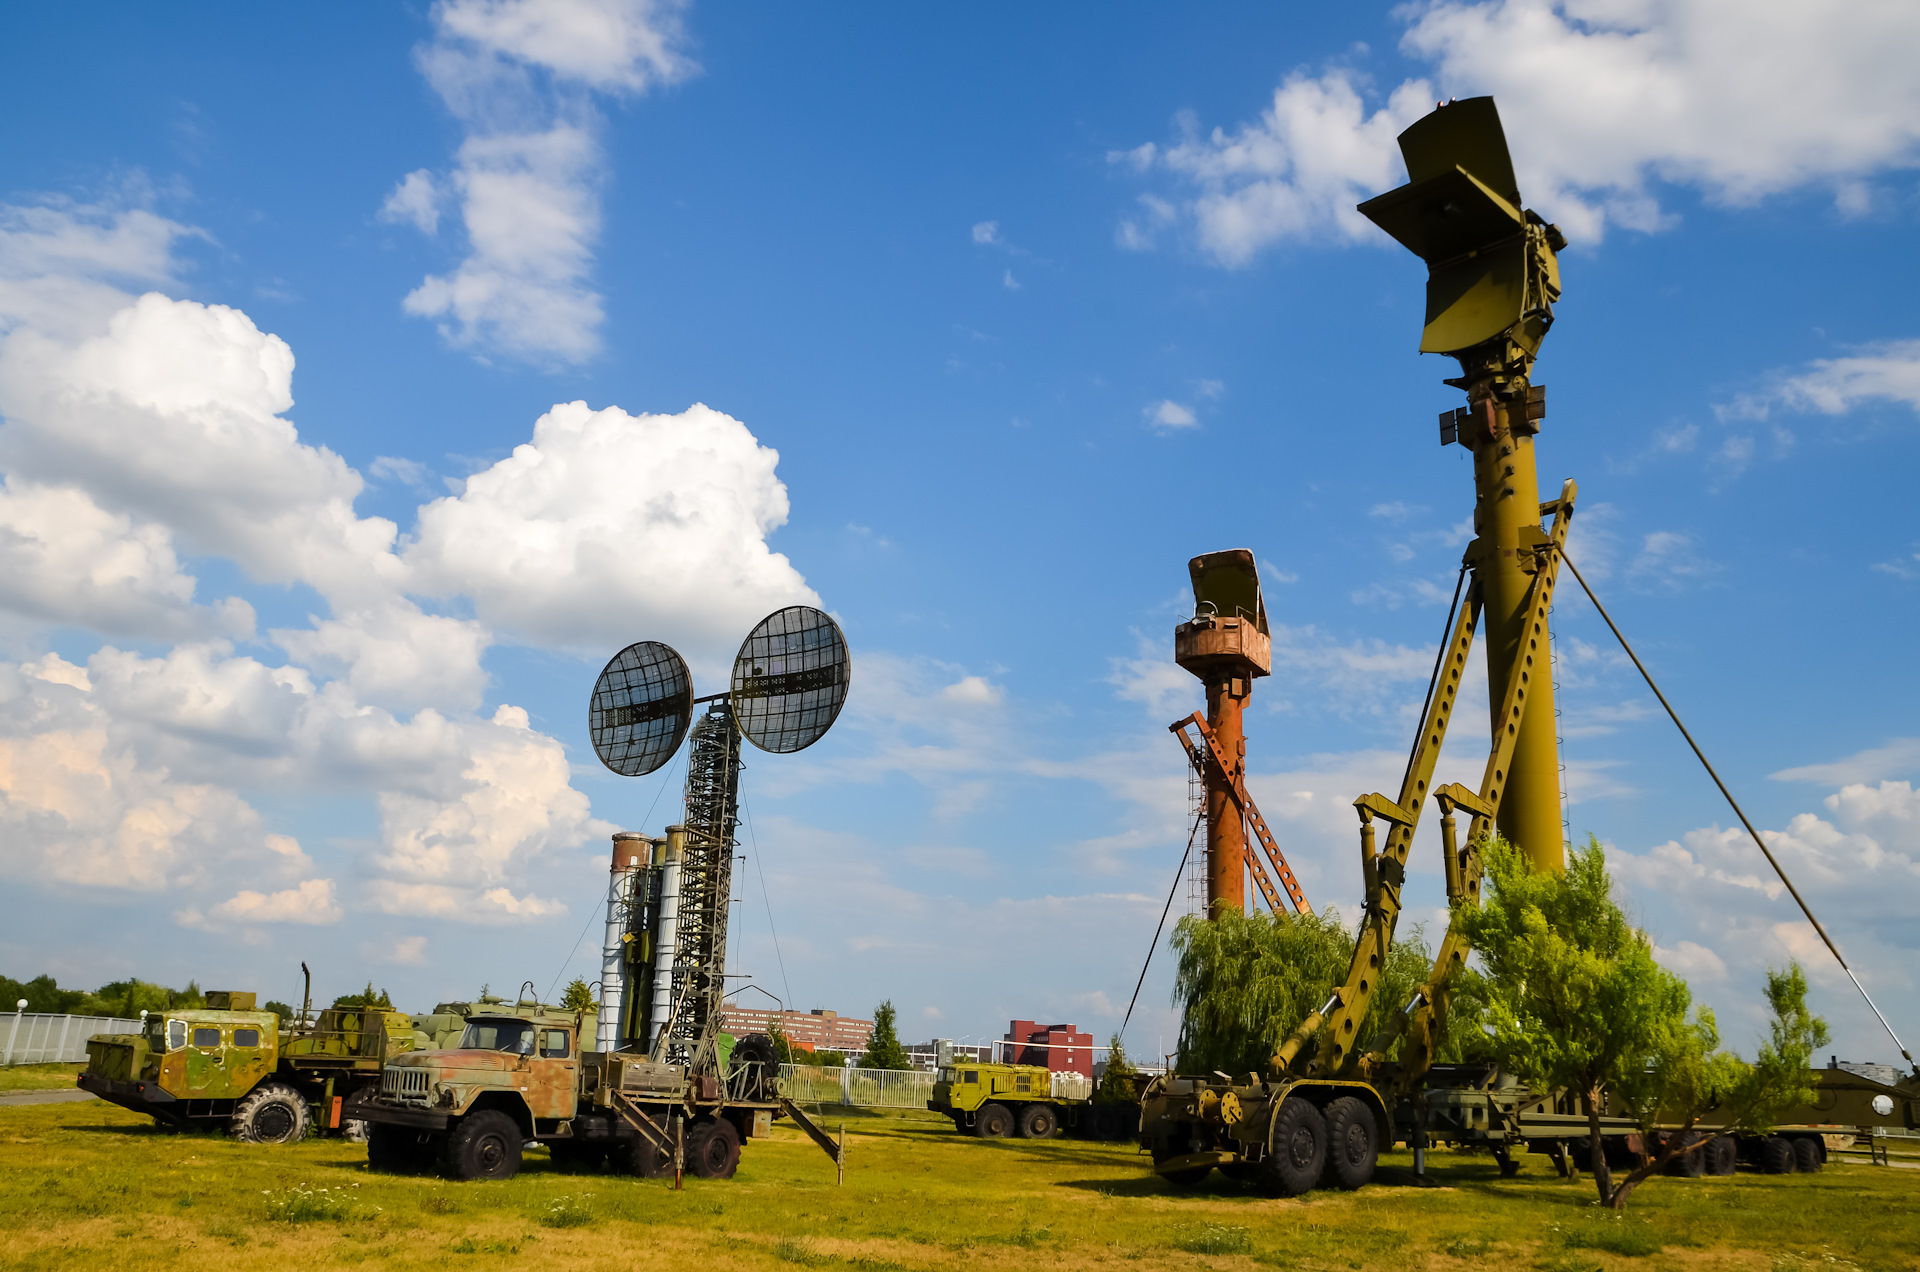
[{"x": 706, "y": 887}]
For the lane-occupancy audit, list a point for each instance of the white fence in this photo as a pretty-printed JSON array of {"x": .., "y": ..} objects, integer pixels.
[
  {"x": 866, "y": 1088},
  {"x": 33, "y": 1038}
]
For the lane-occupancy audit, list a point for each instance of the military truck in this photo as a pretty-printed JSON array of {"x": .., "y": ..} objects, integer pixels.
[
  {"x": 994, "y": 1101},
  {"x": 515, "y": 1079},
  {"x": 229, "y": 1064}
]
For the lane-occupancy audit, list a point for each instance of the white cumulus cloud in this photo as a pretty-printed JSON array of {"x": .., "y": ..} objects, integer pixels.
[
  {"x": 1603, "y": 102},
  {"x": 518, "y": 75},
  {"x": 608, "y": 526}
]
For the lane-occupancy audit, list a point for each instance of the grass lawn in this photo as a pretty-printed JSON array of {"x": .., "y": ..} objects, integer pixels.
[
  {"x": 38, "y": 1077},
  {"x": 84, "y": 1185}
]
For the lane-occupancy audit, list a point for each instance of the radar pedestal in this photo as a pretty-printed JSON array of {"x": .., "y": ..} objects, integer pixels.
[{"x": 1226, "y": 644}]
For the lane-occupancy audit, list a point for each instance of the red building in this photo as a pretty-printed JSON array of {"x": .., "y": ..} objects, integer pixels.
[
  {"x": 816, "y": 1030},
  {"x": 1061, "y": 1047}
]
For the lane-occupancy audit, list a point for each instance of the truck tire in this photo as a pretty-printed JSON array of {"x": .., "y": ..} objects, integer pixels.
[
  {"x": 1806, "y": 1153},
  {"x": 1299, "y": 1154},
  {"x": 1722, "y": 1155},
  {"x": 713, "y": 1149},
  {"x": 1353, "y": 1144},
  {"x": 483, "y": 1145},
  {"x": 271, "y": 1113},
  {"x": 1776, "y": 1155},
  {"x": 644, "y": 1158},
  {"x": 395, "y": 1149},
  {"x": 1038, "y": 1121},
  {"x": 1689, "y": 1162},
  {"x": 993, "y": 1121}
]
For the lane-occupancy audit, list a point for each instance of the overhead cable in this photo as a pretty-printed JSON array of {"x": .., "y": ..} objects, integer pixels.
[{"x": 1738, "y": 812}]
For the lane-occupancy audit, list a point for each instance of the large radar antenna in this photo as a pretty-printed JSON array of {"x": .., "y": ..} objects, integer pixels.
[
  {"x": 640, "y": 708},
  {"x": 790, "y": 679},
  {"x": 664, "y": 964}
]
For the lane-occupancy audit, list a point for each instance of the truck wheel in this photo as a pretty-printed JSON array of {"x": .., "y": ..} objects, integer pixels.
[
  {"x": 395, "y": 1149},
  {"x": 1776, "y": 1155},
  {"x": 1299, "y": 1154},
  {"x": 1689, "y": 1163},
  {"x": 1352, "y": 1144},
  {"x": 484, "y": 1145},
  {"x": 271, "y": 1113},
  {"x": 1722, "y": 1155},
  {"x": 1038, "y": 1121},
  {"x": 713, "y": 1149},
  {"x": 1806, "y": 1153},
  {"x": 645, "y": 1159},
  {"x": 993, "y": 1121}
]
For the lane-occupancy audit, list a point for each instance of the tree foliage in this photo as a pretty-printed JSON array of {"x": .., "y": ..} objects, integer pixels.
[
  {"x": 1120, "y": 1080},
  {"x": 125, "y": 999},
  {"x": 579, "y": 996},
  {"x": 367, "y": 998},
  {"x": 1244, "y": 982},
  {"x": 1573, "y": 999},
  {"x": 883, "y": 1048}
]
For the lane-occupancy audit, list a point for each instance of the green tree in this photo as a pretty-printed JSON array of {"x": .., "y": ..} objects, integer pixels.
[
  {"x": 279, "y": 1009},
  {"x": 1118, "y": 1081},
  {"x": 368, "y": 997},
  {"x": 579, "y": 996},
  {"x": 43, "y": 994},
  {"x": 1244, "y": 982},
  {"x": 128, "y": 998},
  {"x": 1574, "y": 1000},
  {"x": 883, "y": 1048}
]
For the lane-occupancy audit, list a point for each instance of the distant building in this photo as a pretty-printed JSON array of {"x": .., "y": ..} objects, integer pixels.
[
  {"x": 1060, "y": 1047},
  {"x": 923, "y": 1054},
  {"x": 816, "y": 1030}
]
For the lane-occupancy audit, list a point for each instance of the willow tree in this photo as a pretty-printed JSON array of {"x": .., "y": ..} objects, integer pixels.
[{"x": 1244, "y": 982}]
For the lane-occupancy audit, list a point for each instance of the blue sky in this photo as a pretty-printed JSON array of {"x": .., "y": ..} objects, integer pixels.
[{"x": 993, "y": 320}]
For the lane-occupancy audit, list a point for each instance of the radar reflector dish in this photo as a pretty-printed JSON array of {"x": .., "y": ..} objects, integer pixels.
[
  {"x": 641, "y": 707},
  {"x": 790, "y": 679}
]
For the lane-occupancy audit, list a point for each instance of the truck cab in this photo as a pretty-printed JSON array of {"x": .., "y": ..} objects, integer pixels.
[
  {"x": 194, "y": 1066},
  {"x": 511, "y": 1078}
]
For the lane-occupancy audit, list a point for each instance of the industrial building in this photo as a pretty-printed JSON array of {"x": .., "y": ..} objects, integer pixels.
[
  {"x": 816, "y": 1030},
  {"x": 1063, "y": 1048}
]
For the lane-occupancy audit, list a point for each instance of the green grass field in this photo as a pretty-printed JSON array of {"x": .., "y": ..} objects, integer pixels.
[
  {"x": 38, "y": 1077},
  {"x": 84, "y": 1185}
]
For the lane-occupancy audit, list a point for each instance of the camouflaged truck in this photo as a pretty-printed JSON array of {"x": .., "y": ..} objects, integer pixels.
[
  {"x": 520, "y": 1076},
  {"x": 228, "y": 1064}
]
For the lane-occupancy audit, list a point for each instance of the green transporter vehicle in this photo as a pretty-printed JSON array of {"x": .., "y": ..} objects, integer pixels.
[
  {"x": 994, "y": 1101},
  {"x": 228, "y": 1065}
]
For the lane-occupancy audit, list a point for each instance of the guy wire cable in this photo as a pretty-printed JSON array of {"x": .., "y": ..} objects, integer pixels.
[
  {"x": 1738, "y": 812},
  {"x": 590, "y": 911},
  {"x": 1164, "y": 911}
]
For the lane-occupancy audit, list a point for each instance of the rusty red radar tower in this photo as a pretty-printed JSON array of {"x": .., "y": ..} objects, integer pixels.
[{"x": 1227, "y": 645}]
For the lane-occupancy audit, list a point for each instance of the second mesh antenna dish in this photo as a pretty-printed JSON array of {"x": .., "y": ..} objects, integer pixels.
[
  {"x": 790, "y": 679},
  {"x": 641, "y": 707}
]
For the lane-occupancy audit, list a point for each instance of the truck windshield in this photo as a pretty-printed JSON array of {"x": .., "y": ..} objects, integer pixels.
[{"x": 512, "y": 1036}]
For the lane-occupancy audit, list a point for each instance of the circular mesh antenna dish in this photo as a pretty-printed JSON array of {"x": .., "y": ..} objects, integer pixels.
[
  {"x": 641, "y": 707},
  {"x": 790, "y": 679}
]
